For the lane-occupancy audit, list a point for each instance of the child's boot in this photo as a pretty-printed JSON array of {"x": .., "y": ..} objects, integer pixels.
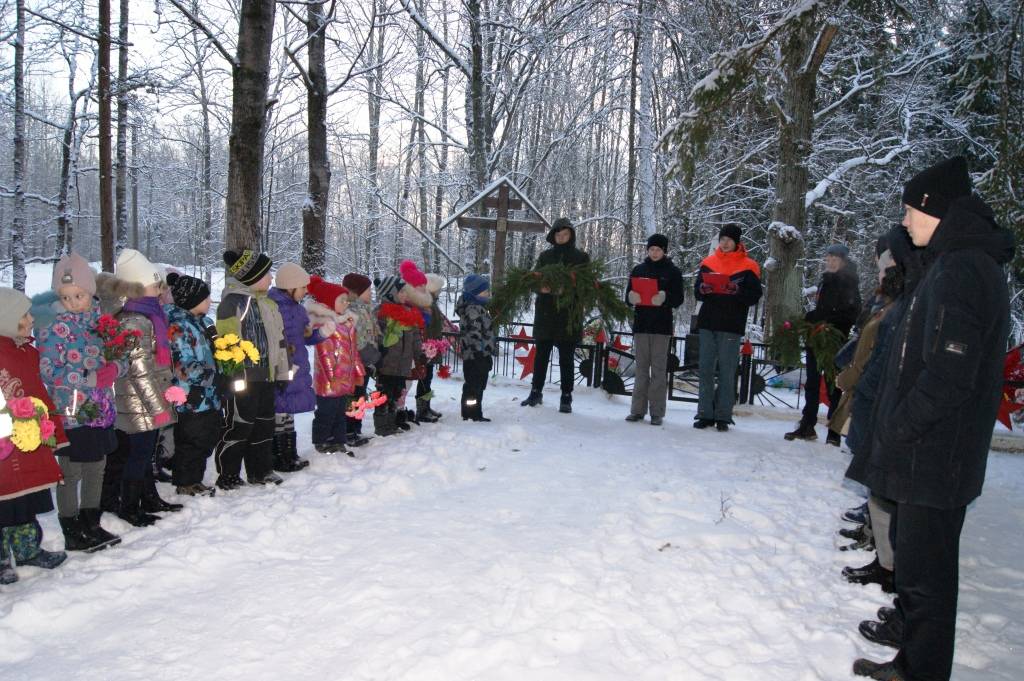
[
  {"x": 7, "y": 573},
  {"x": 131, "y": 511},
  {"x": 75, "y": 538},
  {"x": 151, "y": 501},
  {"x": 90, "y": 519},
  {"x": 424, "y": 413}
]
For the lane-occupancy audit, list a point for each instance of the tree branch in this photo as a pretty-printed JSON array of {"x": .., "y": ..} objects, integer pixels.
[{"x": 194, "y": 20}]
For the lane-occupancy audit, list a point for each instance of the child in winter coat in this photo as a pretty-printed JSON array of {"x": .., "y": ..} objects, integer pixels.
[
  {"x": 401, "y": 324},
  {"x": 476, "y": 342},
  {"x": 80, "y": 381},
  {"x": 140, "y": 393},
  {"x": 26, "y": 475},
  {"x": 339, "y": 369},
  {"x": 434, "y": 328},
  {"x": 200, "y": 418},
  {"x": 248, "y": 312},
  {"x": 291, "y": 282},
  {"x": 367, "y": 339}
]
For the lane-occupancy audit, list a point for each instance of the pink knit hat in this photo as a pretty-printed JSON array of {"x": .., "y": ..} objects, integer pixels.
[{"x": 74, "y": 270}]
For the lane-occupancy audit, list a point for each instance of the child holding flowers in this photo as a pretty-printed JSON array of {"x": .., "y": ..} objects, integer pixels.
[
  {"x": 80, "y": 379},
  {"x": 141, "y": 398},
  {"x": 338, "y": 369},
  {"x": 195, "y": 371},
  {"x": 367, "y": 338},
  {"x": 28, "y": 436},
  {"x": 247, "y": 312}
]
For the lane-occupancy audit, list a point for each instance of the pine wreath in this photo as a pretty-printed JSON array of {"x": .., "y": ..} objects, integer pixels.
[
  {"x": 579, "y": 289},
  {"x": 823, "y": 339}
]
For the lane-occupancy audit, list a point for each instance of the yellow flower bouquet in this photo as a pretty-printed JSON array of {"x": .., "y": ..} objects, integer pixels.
[
  {"x": 25, "y": 425},
  {"x": 231, "y": 353}
]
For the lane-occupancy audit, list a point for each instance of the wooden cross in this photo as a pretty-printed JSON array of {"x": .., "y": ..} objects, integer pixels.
[{"x": 501, "y": 196}]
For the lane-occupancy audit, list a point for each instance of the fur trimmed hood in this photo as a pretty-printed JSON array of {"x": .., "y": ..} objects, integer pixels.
[
  {"x": 417, "y": 296},
  {"x": 113, "y": 292},
  {"x": 323, "y": 318}
]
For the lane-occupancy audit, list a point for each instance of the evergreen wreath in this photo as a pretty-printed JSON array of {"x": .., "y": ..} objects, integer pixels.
[
  {"x": 577, "y": 290},
  {"x": 823, "y": 339}
]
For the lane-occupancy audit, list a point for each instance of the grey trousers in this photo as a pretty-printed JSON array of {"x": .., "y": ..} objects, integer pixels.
[
  {"x": 881, "y": 511},
  {"x": 719, "y": 356},
  {"x": 90, "y": 475},
  {"x": 650, "y": 389}
]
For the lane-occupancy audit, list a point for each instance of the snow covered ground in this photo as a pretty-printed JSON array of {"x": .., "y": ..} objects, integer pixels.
[{"x": 537, "y": 547}]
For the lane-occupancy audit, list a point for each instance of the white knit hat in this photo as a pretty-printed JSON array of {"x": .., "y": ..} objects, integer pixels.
[
  {"x": 133, "y": 267},
  {"x": 13, "y": 306},
  {"x": 291, "y": 276}
]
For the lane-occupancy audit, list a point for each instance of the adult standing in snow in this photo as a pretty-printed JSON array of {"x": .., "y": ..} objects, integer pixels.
[
  {"x": 652, "y": 329},
  {"x": 936, "y": 412},
  {"x": 838, "y": 304},
  {"x": 551, "y": 326},
  {"x": 721, "y": 323}
]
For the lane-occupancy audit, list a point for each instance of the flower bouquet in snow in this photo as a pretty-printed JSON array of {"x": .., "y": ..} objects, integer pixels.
[
  {"x": 359, "y": 408},
  {"x": 230, "y": 354},
  {"x": 397, "y": 320},
  {"x": 25, "y": 425},
  {"x": 433, "y": 348},
  {"x": 117, "y": 341}
]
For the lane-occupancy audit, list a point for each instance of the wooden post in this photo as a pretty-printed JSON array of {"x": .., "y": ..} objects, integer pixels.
[{"x": 501, "y": 231}]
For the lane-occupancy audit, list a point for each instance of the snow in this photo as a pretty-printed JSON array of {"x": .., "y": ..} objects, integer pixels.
[
  {"x": 539, "y": 546},
  {"x": 785, "y": 233}
]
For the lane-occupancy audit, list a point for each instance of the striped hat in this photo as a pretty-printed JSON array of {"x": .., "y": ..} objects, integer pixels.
[
  {"x": 247, "y": 267},
  {"x": 387, "y": 287}
]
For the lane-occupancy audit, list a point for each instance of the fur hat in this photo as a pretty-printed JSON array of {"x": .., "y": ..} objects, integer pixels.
[
  {"x": 291, "y": 276},
  {"x": 387, "y": 287},
  {"x": 733, "y": 231},
  {"x": 659, "y": 240},
  {"x": 247, "y": 267},
  {"x": 187, "y": 291},
  {"x": 411, "y": 274},
  {"x": 13, "y": 306},
  {"x": 934, "y": 189},
  {"x": 74, "y": 270},
  {"x": 135, "y": 268},
  {"x": 324, "y": 292},
  {"x": 356, "y": 283},
  {"x": 435, "y": 282}
]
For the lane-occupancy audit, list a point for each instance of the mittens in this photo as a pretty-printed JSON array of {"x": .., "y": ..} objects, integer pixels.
[{"x": 634, "y": 298}]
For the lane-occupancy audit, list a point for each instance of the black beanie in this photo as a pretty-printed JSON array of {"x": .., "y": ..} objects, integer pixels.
[
  {"x": 933, "y": 190},
  {"x": 187, "y": 291},
  {"x": 881, "y": 245},
  {"x": 733, "y": 231},
  {"x": 659, "y": 240},
  {"x": 247, "y": 267}
]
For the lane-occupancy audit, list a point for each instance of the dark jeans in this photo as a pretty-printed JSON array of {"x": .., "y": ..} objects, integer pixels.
[
  {"x": 141, "y": 447},
  {"x": 927, "y": 584},
  {"x": 249, "y": 421},
  {"x": 329, "y": 420},
  {"x": 195, "y": 436},
  {"x": 354, "y": 425},
  {"x": 566, "y": 364},
  {"x": 475, "y": 372},
  {"x": 812, "y": 393}
]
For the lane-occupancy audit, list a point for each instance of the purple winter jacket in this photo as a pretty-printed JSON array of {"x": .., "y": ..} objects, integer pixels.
[{"x": 298, "y": 396}]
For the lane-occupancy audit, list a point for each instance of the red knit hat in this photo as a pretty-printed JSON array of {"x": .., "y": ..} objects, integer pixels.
[
  {"x": 411, "y": 274},
  {"x": 324, "y": 292}
]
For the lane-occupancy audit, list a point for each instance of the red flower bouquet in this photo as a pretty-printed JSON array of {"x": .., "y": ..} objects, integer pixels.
[{"x": 117, "y": 341}]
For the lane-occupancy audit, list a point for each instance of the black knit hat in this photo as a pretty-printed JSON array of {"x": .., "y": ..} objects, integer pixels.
[
  {"x": 881, "y": 245},
  {"x": 247, "y": 267},
  {"x": 187, "y": 291},
  {"x": 933, "y": 190},
  {"x": 732, "y": 230},
  {"x": 659, "y": 240}
]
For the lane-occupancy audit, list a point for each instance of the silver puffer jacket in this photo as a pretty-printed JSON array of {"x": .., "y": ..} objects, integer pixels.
[{"x": 139, "y": 394}]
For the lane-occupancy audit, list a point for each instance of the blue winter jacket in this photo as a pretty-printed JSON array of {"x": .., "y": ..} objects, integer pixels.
[
  {"x": 298, "y": 396},
  {"x": 194, "y": 369}
]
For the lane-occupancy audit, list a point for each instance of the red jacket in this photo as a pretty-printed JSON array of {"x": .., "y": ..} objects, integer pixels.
[
  {"x": 22, "y": 473},
  {"x": 338, "y": 369}
]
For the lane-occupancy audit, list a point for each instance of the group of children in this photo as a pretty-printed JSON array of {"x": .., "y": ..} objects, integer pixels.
[{"x": 121, "y": 360}]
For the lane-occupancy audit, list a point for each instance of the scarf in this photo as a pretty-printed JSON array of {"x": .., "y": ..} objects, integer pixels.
[
  {"x": 731, "y": 263},
  {"x": 150, "y": 307}
]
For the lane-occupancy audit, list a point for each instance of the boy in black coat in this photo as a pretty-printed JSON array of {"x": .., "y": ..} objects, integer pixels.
[{"x": 936, "y": 411}]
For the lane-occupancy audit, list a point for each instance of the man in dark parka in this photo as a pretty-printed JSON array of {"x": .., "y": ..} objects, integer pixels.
[
  {"x": 552, "y": 327},
  {"x": 935, "y": 414}
]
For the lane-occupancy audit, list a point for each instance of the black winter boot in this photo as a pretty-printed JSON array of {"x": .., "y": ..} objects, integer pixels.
[
  {"x": 131, "y": 509},
  {"x": 833, "y": 438},
  {"x": 565, "y": 404},
  {"x": 382, "y": 424},
  {"x": 285, "y": 460},
  {"x": 151, "y": 501},
  {"x": 400, "y": 419},
  {"x": 880, "y": 671},
  {"x": 75, "y": 536},
  {"x": 883, "y": 633},
  {"x": 872, "y": 573},
  {"x": 478, "y": 413},
  {"x": 535, "y": 398},
  {"x": 423, "y": 412},
  {"x": 90, "y": 518},
  {"x": 804, "y": 431}
]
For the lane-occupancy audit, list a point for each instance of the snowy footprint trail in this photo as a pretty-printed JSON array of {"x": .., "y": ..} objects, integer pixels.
[{"x": 537, "y": 547}]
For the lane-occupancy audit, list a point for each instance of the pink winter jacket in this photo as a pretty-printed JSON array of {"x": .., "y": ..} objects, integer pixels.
[{"x": 338, "y": 370}]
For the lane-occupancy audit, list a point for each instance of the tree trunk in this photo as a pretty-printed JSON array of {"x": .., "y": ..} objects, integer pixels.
[
  {"x": 121, "y": 179},
  {"x": 206, "y": 170},
  {"x": 250, "y": 81},
  {"x": 374, "y": 77},
  {"x": 802, "y": 55},
  {"x": 476, "y": 122},
  {"x": 68, "y": 150},
  {"x": 314, "y": 210},
  {"x": 631, "y": 141},
  {"x": 106, "y": 197},
  {"x": 645, "y": 152},
  {"x": 18, "y": 224},
  {"x": 421, "y": 145},
  {"x": 134, "y": 177}
]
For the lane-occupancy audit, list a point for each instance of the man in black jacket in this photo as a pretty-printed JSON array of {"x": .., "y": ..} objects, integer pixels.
[
  {"x": 551, "y": 326},
  {"x": 936, "y": 411},
  {"x": 722, "y": 322},
  {"x": 652, "y": 329},
  {"x": 838, "y": 304}
]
